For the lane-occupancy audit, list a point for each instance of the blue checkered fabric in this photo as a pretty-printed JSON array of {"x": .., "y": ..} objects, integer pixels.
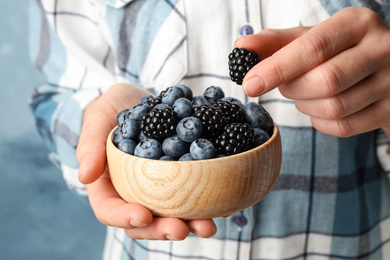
[{"x": 331, "y": 200}]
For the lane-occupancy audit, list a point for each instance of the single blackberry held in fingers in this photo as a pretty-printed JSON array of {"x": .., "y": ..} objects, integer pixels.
[
  {"x": 159, "y": 123},
  {"x": 240, "y": 62},
  {"x": 236, "y": 138}
]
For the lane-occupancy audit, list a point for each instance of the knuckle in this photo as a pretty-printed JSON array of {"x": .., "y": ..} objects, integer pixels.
[
  {"x": 315, "y": 49},
  {"x": 330, "y": 78},
  {"x": 343, "y": 128},
  {"x": 334, "y": 108}
]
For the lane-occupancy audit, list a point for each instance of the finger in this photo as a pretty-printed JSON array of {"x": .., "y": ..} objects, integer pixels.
[
  {"x": 204, "y": 228},
  {"x": 161, "y": 229},
  {"x": 306, "y": 52},
  {"x": 334, "y": 75},
  {"x": 372, "y": 117},
  {"x": 111, "y": 210},
  {"x": 91, "y": 149},
  {"x": 268, "y": 41},
  {"x": 99, "y": 120},
  {"x": 352, "y": 100}
]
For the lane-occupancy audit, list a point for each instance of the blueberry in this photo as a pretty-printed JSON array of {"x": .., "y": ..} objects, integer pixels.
[
  {"x": 258, "y": 117},
  {"x": 139, "y": 111},
  {"x": 187, "y": 91},
  {"x": 166, "y": 158},
  {"x": 186, "y": 157},
  {"x": 171, "y": 94},
  {"x": 162, "y": 106},
  {"x": 201, "y": 100},
  {"x": 145, "y": 98},
  {"x": 183, "y": 108},
  {"x": 261, "y": 136},
  {"x": 149, "y": 148},
  {"x": 141, "y": 136},
  {"x": 174, "y": 146},
  {"x": 130, "y": 128},
  {"x": 127, "y": 146},
  {"x": 233, "y": 100},
  {"x": 202, "y": 149},
  {"x": 122, "y": 116},
  {"x": 189, "y": 129},
  {"x": 220, "y": 155},
  {"x": 117, "y": 136},
  {"x": 214, "y": 92}
]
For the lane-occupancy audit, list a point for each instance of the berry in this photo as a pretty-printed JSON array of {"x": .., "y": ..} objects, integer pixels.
[
  {"x": 117, "y": 136},
  {"x": 260, "y": 137},
  {"x": 258, "y": 117},
  {"x": 151, "y": 101},
  {"x": 187, "y": 91},
  {"x": 130, "y": 128},
  {"x": 186, "y": 157},
  {"x": 233, "y": 100},
  {"x": 162, "y": 105},
  {"x": 159, "y": 123},
  {"x": 127, "y": 146},
  {"x": 212, "y": 118},
  {"x": 202, "y": 149},
  {"x": 236, "y": 138},
  {"x": 174, "y": 146},
  {"x": 232, "y": 111},
  {"x": 189, "y": 129},
  {"x": 139, "y": 111},
  {"x": 183, "y": 108},
  {"x": 141, "y": 136},
  {"x": 166, "y": 158},
  {"x": 214, "y": 93},
  {"x": 170, "y": 95},
  {"x": 202, "y": 100},
  {"x": 145, "y": 98},
  {"x": 149, "y": 148},
  {"x": 122, "y": 116},
  {"x": 240, "y": 62}
]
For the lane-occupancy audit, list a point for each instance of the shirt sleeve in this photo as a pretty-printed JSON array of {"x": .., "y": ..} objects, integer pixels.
[{"x": 68, "y": 47}]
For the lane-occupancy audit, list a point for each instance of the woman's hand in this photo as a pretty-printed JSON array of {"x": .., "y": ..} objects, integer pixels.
[
  {"x": 336, "y": 72},
  {"x": 137, "y": 221}
]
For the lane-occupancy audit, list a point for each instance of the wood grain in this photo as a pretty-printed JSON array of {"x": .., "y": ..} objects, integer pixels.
[{"x": 197, "y": 189}]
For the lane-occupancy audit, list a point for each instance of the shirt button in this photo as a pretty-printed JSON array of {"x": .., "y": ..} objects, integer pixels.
[
  {"x": 246, "y": 29},
  {"x": 240, "y": 220}
]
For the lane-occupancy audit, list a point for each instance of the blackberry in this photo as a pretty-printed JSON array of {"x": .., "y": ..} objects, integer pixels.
[
  {"x": 159, "y": 123},
  {"x": 240, "y": 62},
  {"x": 152, "y": 101},
  {"x": 236, "y": 138},
  {"x": 232, "y": 111},
  {"x": 212, "y": 118}
]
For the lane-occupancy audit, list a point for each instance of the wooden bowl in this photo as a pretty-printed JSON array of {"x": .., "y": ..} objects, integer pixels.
[{"x": 197, "y": 189}]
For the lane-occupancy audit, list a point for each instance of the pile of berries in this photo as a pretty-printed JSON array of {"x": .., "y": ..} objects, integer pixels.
[{"x": 178, "y": 126}]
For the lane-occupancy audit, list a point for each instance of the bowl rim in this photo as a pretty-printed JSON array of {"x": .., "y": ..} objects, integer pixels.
[{"x": 275, "y": 135}]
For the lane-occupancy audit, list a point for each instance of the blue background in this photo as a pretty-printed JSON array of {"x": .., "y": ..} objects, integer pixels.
[{"x": 39, "y": 217}]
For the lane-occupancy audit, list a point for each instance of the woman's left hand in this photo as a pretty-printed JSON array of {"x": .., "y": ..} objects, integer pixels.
[{"x": 337, "y": 72}]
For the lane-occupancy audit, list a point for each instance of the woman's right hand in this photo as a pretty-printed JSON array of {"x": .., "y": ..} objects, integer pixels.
[{"x": 110, "y": 209}]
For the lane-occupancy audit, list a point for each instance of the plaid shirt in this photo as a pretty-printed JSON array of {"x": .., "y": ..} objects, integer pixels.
[{"x": 332, "y": 199}]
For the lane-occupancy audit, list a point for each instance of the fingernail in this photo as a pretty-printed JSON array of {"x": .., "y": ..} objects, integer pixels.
[
  {"x": 169, "y": 237},
  {"x": 136, "y": 223},
  {"x": 254, "y": 86},
  {"x": 194, "y": 232}
]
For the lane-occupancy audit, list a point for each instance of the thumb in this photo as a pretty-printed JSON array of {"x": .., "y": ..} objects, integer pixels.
[{"x": 91, "y": 149}]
